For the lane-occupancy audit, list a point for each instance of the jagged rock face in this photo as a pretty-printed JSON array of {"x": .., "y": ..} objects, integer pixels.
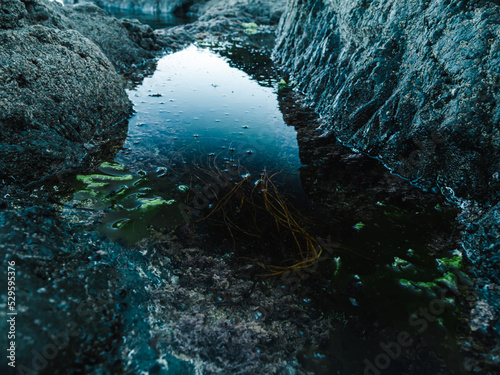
[
  {"x": 415, "y": 83},
  {"x": 11, "y": 14},
  {"x": 60, "y": 97}
]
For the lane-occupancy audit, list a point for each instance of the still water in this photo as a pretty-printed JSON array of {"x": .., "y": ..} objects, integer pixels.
[
  {"x": 198, "y": 112},
  {"x": 155, "y": 18},
  {"x": 195, "y": 111},
  {"x": 157, "y": 14},
  {"x": 197, "y": 105}
]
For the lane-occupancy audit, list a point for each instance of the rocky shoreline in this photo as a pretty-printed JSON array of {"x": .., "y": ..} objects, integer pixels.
[
  {"x": 68, "y": 74},
  {"x": 390, "y": 92}
]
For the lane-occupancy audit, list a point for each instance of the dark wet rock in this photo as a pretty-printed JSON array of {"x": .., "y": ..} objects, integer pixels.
[
  {"x": 81, "y": 301},
  {"x": 174, "y": 39},
  {"x": 481, "y": 242},
  {"x": 484, "y": 233},
  {"x": 249, "y": 22},
  {"x": 260, "y": 11},
  {"x": 127, "y": 43},
  {"x": 60, "y": 99},
  {"x": 215, "y": 314},
  {"x": 415, "y": 83},
  {"x": 157, "y": 307},
  {"x": 141, "y": 34},
  {"x": 12, "y": 13}
]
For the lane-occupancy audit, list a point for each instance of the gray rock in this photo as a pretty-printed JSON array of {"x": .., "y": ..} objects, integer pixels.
[
  {"x": 126, "y": 43},
  {"x": 60, "y": 97},
  {"x": 261, "y": 11},
  {"x": 83, "y": 303},
  {"x": 46, "y": 13},
  {"x": 12, "y": 13},
  {"x": 236, "y": 21},
  {"x": 415, "y": 83}
]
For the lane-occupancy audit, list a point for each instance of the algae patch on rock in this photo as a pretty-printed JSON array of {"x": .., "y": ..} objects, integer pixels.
[{"x": 133, "y": 207}]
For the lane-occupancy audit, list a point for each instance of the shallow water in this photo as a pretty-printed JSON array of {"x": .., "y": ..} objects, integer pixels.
[
  {"x": 197, "y": 112},
  {"x": 199, "y": 106},
  {"x": 154, "y": 18},
  {"x": 156, "y": 14}
]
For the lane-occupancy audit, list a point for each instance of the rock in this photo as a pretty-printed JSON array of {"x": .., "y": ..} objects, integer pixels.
[
  {"x": 225, "y": 21},
  {"x": 261, "y": 11},
  {"x": 414, "y": 83},
  {"x": 127, "y": 43},
  {"x": 46, "y": 13},
  {"x": 213, "y": 21},
  {"x": 481, "y": 242},
  {"x": 174, "y": 39},
  {"x": 12, "y": 13},
  {"x": 484, "y": 234},
  {"x": 60, "y": 97},
  {"x": 83, "y": 303},
  {"x": 141, "y": 34}
]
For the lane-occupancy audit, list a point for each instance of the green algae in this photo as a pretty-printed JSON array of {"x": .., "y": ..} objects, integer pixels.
[
  {"x": 114, "y": 166},
  {"x": 153, "y": 203},
  {"x": 90, "y": 179},
  {"x": 389, "y": 273},
  {"x": 454, "y": 262},
  {"x": 359, "y": 226},
  {"x": 136, "y": 205},
  {"x": 250, "y": 27}
]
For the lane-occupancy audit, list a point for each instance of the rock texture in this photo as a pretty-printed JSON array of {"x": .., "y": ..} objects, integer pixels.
[
  {"x": 126, "y": 43},
  {"x": 238, "y": 21},
  {"x": 84, "y": 301},
  {"x": 59, "y": 98},
  {"x": 415, "y": 83}
]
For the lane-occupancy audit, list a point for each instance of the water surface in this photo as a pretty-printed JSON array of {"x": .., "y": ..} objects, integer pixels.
[
  {"x": 197, "y": 112},
  {"x": 197, "y": 105}
]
